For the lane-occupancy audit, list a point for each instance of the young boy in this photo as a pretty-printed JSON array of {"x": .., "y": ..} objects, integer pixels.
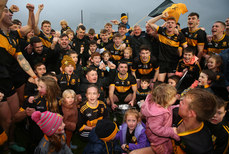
[
  {"x": 124, "y": 21},
  {"x": 67, "y": 79},
  {"x": 189, "y": 66},
  {"x": 87, "y": 54},
  {"x": 207, "y": 77},
  {"x": 173, "y": 80},
  {"x": 104, "y": 40},
  {"x": 92, "y": 111},
  {"x": 74, "y": 57},
  {"x": 143, "y": 91},
  {"x": 70, "y": 34},
  {"x": 219, "y": 128}
]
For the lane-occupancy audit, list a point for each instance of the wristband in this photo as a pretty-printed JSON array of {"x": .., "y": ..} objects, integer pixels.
[{"x": 34, "y": 77}]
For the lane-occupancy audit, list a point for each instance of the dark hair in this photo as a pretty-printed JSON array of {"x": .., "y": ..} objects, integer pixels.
[
  {"x": 122, "y": 62},
  {"x": 35, "y": 39},
  {"x": 189, "y": 49},
  {"x": 146, "y": 79},
  {"x": 144, "y": 47},
  {"x": 94, "y": 86},
  {"x": 91, "y": 31},
  {"x": 175, "y": 78},
  {"x": 63, "y": 35},
  {"x": 121, "y": 26},
  {"x": 16, "y": 22},
  {"x": 53, "y": 30},
  {"x": 45, "y": 22},
  {"x": 103, "y": 31},
  {"x": 211, "y": 75},
  {"x": 81, "y": 27},
  {"x": 71, "y": 52},
  {"x": 194, "y": 14},
  {"x": 222, "y": 23},
  {"x": 90, "y": 69},
  {"x": 171, "y": 18},
  {"x": 117, "y": 35},
  {"x": 38, "y": 64},
  {"x": 92, "y": 42}
]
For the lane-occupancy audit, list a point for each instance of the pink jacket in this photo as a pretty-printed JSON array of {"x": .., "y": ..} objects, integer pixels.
[{"x": 158, "y": 122}]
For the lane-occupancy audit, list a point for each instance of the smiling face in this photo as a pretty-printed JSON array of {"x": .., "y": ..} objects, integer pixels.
[
  {"x": 69, "y": 69},
  {"x": 188, "y": 56},
  {"x": 122, "y": 31},
  {"x": 7, "y": 18},
  {"x": 122, "y": 69},
  {"x": 64, "y": 41},
  {"x": 145, "y": 55},
  {"x": 211, "y": 64},
  {"x": 172, "y": 82},
  {"x": 144, "y": 84},
  {"x": 40, "y": 70},
  {"x": 93, "y": 47},
  {"x": 92, "y": 76},
  {"x": 217, "y": 29},
  {"x": 203, "y": 79},
  {"x": 74, "y": 57},
  {"x": 42, "y": 88},
  {"x": 193, "y": 21},
  {"x": 96, "y": 60},
  {"x": 80, "y": 33},
  {"x": 92, "y": 95}
]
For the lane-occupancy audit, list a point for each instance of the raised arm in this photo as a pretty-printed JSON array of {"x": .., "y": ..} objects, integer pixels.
[
  {"x": 152, "y": 21},
  {"x": 31, "y": 21},
  {"x": 37, "y": 16}
]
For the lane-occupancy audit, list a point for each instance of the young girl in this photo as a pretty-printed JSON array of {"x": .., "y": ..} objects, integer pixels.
[
  {"x": 214, "y": 63},
  {"x": 70, "y": 113},
  {"x": 132, "y": 132},
  {"x": 158, "y": 112},
  {"x": 52, "y": 126},
  {"x": 127, "y": 57},
  {"x": 48, "y": 94}
]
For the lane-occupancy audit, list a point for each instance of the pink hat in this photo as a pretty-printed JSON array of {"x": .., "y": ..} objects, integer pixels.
[{"x": 48, "y": 122}]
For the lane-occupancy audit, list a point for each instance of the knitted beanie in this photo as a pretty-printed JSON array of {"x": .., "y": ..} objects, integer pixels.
[
  {"x": 47, "y": 121},
  {"x": 106, "y": 129},
  {"x": 67, "y": 60},
  {"x": 123, "y": 15}
]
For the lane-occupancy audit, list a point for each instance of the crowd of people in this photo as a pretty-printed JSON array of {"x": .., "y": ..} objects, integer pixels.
[{"x": 174, "y": 80}]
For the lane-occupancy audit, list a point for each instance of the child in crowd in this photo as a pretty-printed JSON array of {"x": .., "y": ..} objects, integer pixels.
[
  {"x": 75, "y": 58},
  {"x": 48, "y": 96},
  {"x": 124, "y": 20},
  {"x": 106, "y": 55},
  {"x": 70, "y": 113},
  {"x": 68, "y": 79},
  {"x": 70, "y": 34},
  {"x": 54, "y": 140},
  {"x": 214, "y": 63},
  {"x": 219, "y": 128},
  {"x": 188, "y": 65},
  {"x": 104, "y": 40},
  {"x": 127, "y": 57},
  {"x": 173, "y": 80},
  {"x": 92, "y": 111},
  {"x": 158, "y": 112},
  {"x": 96, "y": 63},
  {"x": 91, "y": 35},
  {"x": 31, "y": 86},
  {"x": 143, "y": 91},
  {"x": 100, "y": 138},
  {"x": 64, "y": 26},
  {"x": 132, "y": 132},
  {"x": 87, "y": 54}
]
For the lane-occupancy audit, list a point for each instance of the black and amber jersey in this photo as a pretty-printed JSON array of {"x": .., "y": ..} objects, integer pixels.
[
  {"x": 220, "y": 136},
  {"x": 116, "y": 53},
  {"x": 41, "y": 104},
  {"x": 89, "y": 116},
  {"x": 169, "y": 44},
  {"x": 195, "y": 38},
  {"x": 47, "y": 41},
  {"x": 142, "y": 93},
  {"x": 104, "y": 44},
  {"x": 194, "y": 141},
  {"x": 216, "y": 46},
  {"x": 69, "y": 82},
  {"x": 127, "y": 41},
  {"x": 146, "y": 69},
  {"x": 124, "y": 85}
]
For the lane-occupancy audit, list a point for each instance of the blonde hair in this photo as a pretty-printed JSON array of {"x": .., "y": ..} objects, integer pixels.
[
  {"x": 129, "y": 49},
  {"x": 68, "y": 92},
  {"x": 63, "y": 22},
  {"x": 132, "y": 112},
  {"x": 163, "y": 93}
]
